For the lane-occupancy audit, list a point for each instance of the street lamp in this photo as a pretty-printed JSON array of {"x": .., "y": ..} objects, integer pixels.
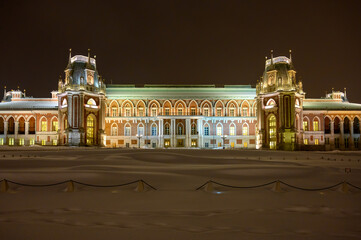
[
  {"x": 139, "y": 136},
  {"x": 224, "y": 139}
]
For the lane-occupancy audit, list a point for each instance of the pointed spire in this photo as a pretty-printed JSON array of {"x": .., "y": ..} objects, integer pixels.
[
  {"x": 4, "y": 93},
  {"x": 290, "y": 55},
  {"x": 88, "y": 65},
  {"x": 69, "y": 61},
  {"x": 291, "y": 62},
  {"x": 345, "y": 93},
  {"x": 271, "y": 57},
  {"x": 95, "y": 61}
]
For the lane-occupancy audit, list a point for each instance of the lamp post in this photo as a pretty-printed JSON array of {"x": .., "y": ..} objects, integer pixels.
[
  {"x": 224, "y": 139},
  {"x": 139, "y": 136}
]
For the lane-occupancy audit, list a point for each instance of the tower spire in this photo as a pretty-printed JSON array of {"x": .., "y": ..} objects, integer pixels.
[
  {"x": 88, "y": 65},
  {"x": 290, "y": 54},
  {"x": 69, "y": 61},
  {"x": 4, "y": 93},
  {"x": 271, "y": 57}
]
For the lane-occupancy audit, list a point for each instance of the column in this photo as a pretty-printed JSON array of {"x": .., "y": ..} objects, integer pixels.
[
  {"x": 351, "y": 143},
  {"x": 5, "y": 132},
  {"x": 161, "y": 132},
  {"x": 188, "y": 133},
  {"x": 342, "y": 138},
  {"x": 200, "y": 133},
  {"x": 332, "y": 138},
  {"x": 26, "y": 141},
  {"x": 172, "y": 132},
  {"x": 16, "y": 130}
]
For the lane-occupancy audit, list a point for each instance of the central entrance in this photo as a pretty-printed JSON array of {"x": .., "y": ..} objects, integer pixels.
[
  {"x": 272, "y": 132},
  {"x": 90, "y": 130}
]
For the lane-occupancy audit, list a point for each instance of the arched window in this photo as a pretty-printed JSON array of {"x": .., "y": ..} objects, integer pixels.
[
  {"x": 336, "y": 123},
  {"x": 194, "y": 129},
  {"x": 245, "y": 130},
  {"x": 154, "y": 129},
  {"x": 219, "y": 130},
  {"x": 166, "y": 129},
  {"x": 90, "y": 124},
  {"x": 11, "y": 126},
  {"x": 272, "y": 128},
  {"x": 316, "y": 124},
  {"x": 21, "y": 126},
  {"x": 180, "y": 129},
  {"x": 114, "y": 129},
  {"x": 127, "y": 110},
  {"x": 232, "y": 130},
  {"x": 54, "y": 125},
  {"x": 2, "y": 125},
  {"x": 305, "y": 124},
  {"x": 356, "y": 125},
  {"x": 206, "y": 130},
  {"x": 346, "y": 125},
  {"x": 91, "y": 102},
  {"x": 32, "y": 125},
  {"x": 327, "y": 125},
  {"x": 127, "y": 130},
  {"x": 43, "y": 125},
  {"x": 140, "y": 130},
  {"x": 64, "y": 103}
]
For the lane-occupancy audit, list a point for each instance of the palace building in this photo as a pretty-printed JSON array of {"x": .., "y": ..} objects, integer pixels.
[{"x": 273, "y": 115}]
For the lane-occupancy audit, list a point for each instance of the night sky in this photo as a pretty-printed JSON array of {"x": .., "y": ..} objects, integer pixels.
[{"x": 181, "y": 42}]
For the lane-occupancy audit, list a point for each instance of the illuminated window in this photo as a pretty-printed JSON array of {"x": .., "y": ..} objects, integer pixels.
[
  {"x": 305, "y": 125},
  {"x": 65, "y": 123},
  {"x": 206, "y": 112},
  {"x": 245, "y": 144},
  {"x": 44, "y": 126},
  {"x": 114, "y": 111},
  {"x": 231, "y": 112},
  {"x": 141, "y": 112},
  {"x": 154, "y": 112},
  {"x": 55, "y": 126},
  {"x": 21, "y": 141},
  {"x": 127, "y": 131},
  {"x": 193, "y": 111},
  {"x": 1, "y": 141},
  {"x": 219, "y": 130},
  {"x": 305, "y": 141},
  {"x": 245, "y": 112},
  {"x": 55, "y": 142},
  {"x": 232, "y": 130},
  {"x": 140, "y": 131},
  {"x": 127, "y": 112},
  {"x": 91, "y": 102},
  {"x": 166, "y": 129},
  {"x": 11, "y": 141},
  {"x": 167, "y": 111},
  {"x": 315, "y": 125},
  {"x": 206, "y": 131},
  {"x": 180, "y": 130},
  {"x": 114, "y": 130},
  {"x": 90, "y": 130},
  {"x": 194, "y": 143},
  {"x": 180, "y": 111},
  {"x": 272, "y": 127},
  {"x": 245, "y": 130},
  {"x": 43, "y": 142},
  {"x": 316, "y": 141},
  {"x": 219, "y": 112},
  {"x": 32, "y": 142},
  {"x": 154, "y": 130}
]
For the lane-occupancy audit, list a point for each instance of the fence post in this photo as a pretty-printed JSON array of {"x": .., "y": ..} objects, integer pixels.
[
  {"x": 4, "y": 187},
  {"x": 70, "y": 186},
  {"x": 140, "y": 186},
  {"x": 277, "y": 187}
]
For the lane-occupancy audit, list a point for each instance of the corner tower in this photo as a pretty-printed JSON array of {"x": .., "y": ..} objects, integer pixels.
[
  {"x": 279, "y": 105},
  {"x": 81, "y": 102}
]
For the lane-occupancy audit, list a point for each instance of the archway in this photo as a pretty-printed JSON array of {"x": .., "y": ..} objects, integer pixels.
[
  {"x": 11, "y": 126},
  {"x": 272, "y": 132},
  {"x": 90, "y": 124}
]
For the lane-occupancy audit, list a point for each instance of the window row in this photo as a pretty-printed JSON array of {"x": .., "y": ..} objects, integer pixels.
[{"x": 44, "y": 127}]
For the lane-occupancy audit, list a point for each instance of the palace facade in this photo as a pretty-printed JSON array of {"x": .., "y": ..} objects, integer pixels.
[{"x": 273, "y": 115}]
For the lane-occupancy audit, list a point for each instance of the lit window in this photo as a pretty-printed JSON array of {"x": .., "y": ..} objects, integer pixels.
[
  {"x": 219, "y": 130},
  {"x": 193, "y": 111},
  {"x": 231, "y": 112},
  {"x": 166, "y": 129},
  {"x": 180, "y": 111},
  {"x": 305, "y": 141},
  {"x": 1, "y": 141},
  {"x": 206, "y": 112},
  {"x": 194, "y": 143},
  {"x": 206, "y": 131},
  {"x": 154, "y": 130},
  {"x": 316, "y": 141},
  {"x": 245, "y": 112},
  {"x": 44, "y": 126},
  {"x": 114, "y": 130},
  {"x": 154, "y": 112},
  {"x": 140, "y": 131},
  {"x": 315, "y": 125},
  {"x": 21, "y": 141},
  {"x": 180, "y": 130},
  {"x": 245, "y": 130},
  {"x": 167, "y": 111},
  {"x": 127, "y": 131},
  {"x": 55, "y": 142},
  {"x": 219, "y": 112},
  {"x": 245, "y": 144},
  {"x": 32, "y": 142},
  {"x": 43, "y": 142},
  {"x": 127, "y": 112},
  {"x": 114, "y": 111},
  {"x": 305, "y": 126},
  {"x": 141, "y": 112},
  {"x": 232, "y": 131},
  {"x": 193, "y": 129},
  {"x": 55, "y": 126},
  {"x": 11, "y": 141}
]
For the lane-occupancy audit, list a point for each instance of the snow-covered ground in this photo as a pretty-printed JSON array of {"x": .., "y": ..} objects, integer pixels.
[{"x": 176, "y": 210}]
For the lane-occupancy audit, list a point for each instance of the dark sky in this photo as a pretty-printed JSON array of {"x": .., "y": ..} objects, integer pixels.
[{"x": 182, "y": 42}]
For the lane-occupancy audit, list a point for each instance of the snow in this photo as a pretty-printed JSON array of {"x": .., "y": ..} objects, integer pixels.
[{"x": 176, "y": 210}]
